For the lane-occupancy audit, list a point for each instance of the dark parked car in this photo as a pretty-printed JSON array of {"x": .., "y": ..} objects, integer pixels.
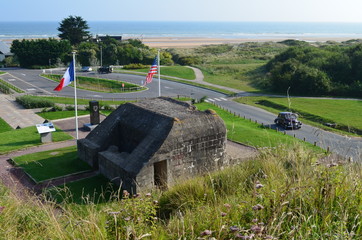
[
  {"x": 104, "y": 69},
  {"x": 288, "y": 120}
]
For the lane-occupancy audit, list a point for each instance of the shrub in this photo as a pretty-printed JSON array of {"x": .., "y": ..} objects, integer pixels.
[
  {"x": 31, "y": 102},
  {"x": 70, "y": 108},
  {"x": 4, "y": 89},
  {"x": 134, "y": 66},
  {"x": 108, "y": 107}
]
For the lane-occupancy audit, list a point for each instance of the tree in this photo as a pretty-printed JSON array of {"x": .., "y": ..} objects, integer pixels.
[
  {"x": 41, "y": 52},
  {"x": 74, "y": 29}
]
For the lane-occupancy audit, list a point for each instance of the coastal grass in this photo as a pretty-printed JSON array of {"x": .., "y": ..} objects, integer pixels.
[
  {"x": 26, "y": 137},
  {"x": 237, "y": 76},
  {"x": 250, "y": 133},
  {"x": 282, "y": 194},
  {"x": 347, "y": 114},
  {"x": 61, "y": 114},
  {"x": 4, "y": 126},
  {"x": 172, "y": 71},
  {"x": 100, "y": 84},
  {"x": 51, "y": 164}
]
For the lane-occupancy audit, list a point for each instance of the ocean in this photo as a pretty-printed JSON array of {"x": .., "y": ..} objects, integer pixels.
[{"x": 245, "y": 30}]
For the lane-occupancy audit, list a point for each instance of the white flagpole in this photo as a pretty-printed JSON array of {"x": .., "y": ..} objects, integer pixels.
[
  {"x": 75, "y": 98},
  {"x": 159, "y": 78}
]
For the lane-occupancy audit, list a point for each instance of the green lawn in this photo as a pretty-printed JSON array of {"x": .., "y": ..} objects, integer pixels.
[
  {"x": 51, "y": 164},
  {"x": 26, "y": 137},
  {"x": 61, "y": 114},
  {"x": 70, "y": 101},
  {"x": 172, "y": 71},
  {"x": 250, "y": 133},
  {"x": 346, "y": 113},
  {"x": 95, "y": 189},
  {"x": 4, "y": 126},
  {"x": 99, "y": 84}
]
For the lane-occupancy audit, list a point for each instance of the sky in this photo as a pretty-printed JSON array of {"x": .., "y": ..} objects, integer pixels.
[{"x": 184, "y": 10}]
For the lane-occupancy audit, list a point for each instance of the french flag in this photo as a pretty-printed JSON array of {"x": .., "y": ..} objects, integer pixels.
[{"x": 67, "y": 78}]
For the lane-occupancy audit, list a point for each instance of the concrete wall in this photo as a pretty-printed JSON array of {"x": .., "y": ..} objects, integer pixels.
[{"x": 160, "y": 141}]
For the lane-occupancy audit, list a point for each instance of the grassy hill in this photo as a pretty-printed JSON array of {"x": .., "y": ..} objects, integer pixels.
[{"x": 283, "y": 194}]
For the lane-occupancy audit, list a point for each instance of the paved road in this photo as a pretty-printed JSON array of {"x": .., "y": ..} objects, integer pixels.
[
  {"x": 31, "y": 82},
  {"x": 344, "y": 146}
]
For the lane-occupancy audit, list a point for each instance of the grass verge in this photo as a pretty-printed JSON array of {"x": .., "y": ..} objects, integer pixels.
[
  {"x": 52, "y": 164},
  {"x": 26, "y": 137},
  {"x": 100, "y": 84},
  {"x": 70, "y": 101},
  {"x": 4, "y": 126},
  {"x": 11, "y": 86},
  {"x": 190, "y": 83},
  {"x": 172, "y": 71},
  {"x": 253, "y": 134},
  {"x": 346, "y": 114},
  {"x": 61, "y": 114}
]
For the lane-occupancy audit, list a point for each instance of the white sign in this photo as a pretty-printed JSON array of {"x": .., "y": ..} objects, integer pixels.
[{"x": 45, "y": 127}]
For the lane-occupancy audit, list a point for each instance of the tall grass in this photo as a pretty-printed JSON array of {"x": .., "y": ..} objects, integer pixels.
[{"x": 283, "y": 194}]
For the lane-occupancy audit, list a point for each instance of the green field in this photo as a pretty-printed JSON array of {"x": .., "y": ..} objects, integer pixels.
[
  {"x": 26, "y": 137},
  {"x": 4, "y": 126},
  {"x": 347, "y": 114},
  {"x": 51, "y": 164},
  {"x": 250, "y": 133}
]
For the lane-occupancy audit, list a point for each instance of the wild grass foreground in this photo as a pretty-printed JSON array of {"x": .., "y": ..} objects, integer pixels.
[{"x": 283, "y": 194}]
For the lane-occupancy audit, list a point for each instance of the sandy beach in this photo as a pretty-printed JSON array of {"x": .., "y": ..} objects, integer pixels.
[
  {"x": 186, "y": 42},
  {"x": 191, "y": 42}
]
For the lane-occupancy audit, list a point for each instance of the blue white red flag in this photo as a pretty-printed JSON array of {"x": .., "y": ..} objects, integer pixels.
[
  {"x": 152, "y": 71},
  {"x": 67, "y": 78}
]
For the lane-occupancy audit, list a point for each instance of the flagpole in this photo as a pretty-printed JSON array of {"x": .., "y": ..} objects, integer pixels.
[
  {"x": 159, "y": 74},
  {"x": 75, "y": 98}
]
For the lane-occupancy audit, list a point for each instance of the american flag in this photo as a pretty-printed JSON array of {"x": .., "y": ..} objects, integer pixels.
[{"x": 152, "y": 71}]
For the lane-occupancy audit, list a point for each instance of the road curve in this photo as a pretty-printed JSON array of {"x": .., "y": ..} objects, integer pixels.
[{"x": 32, "y": 83}]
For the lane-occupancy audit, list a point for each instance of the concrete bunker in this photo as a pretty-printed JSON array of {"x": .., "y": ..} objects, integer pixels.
[{"x": 154, "y": 142}]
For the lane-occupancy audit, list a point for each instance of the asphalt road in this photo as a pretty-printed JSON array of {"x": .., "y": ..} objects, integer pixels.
[{"x": 32, "y": 83}]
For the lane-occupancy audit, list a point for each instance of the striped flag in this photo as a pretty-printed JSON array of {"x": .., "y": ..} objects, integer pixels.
[
  {"x": 67, "y": 78},
  {"x": 152, "y": 71}
]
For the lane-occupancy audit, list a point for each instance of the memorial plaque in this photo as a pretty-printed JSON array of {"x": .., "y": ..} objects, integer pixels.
[{"x": 94, "y": 112}]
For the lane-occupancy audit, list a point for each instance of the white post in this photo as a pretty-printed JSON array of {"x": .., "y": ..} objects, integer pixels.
[
  {"x": 158, "y": 70},
  {"x": 75, "y": 98},
  {"x": 101, "y": 56}
]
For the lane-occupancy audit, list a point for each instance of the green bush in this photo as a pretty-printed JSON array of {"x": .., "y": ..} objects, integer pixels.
[
  {"x": 134, "y": 66},
  {"x": 70, "y": 108},
  {"x": 30, "y": 102},
  {"x": 4, "y": 89}
]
